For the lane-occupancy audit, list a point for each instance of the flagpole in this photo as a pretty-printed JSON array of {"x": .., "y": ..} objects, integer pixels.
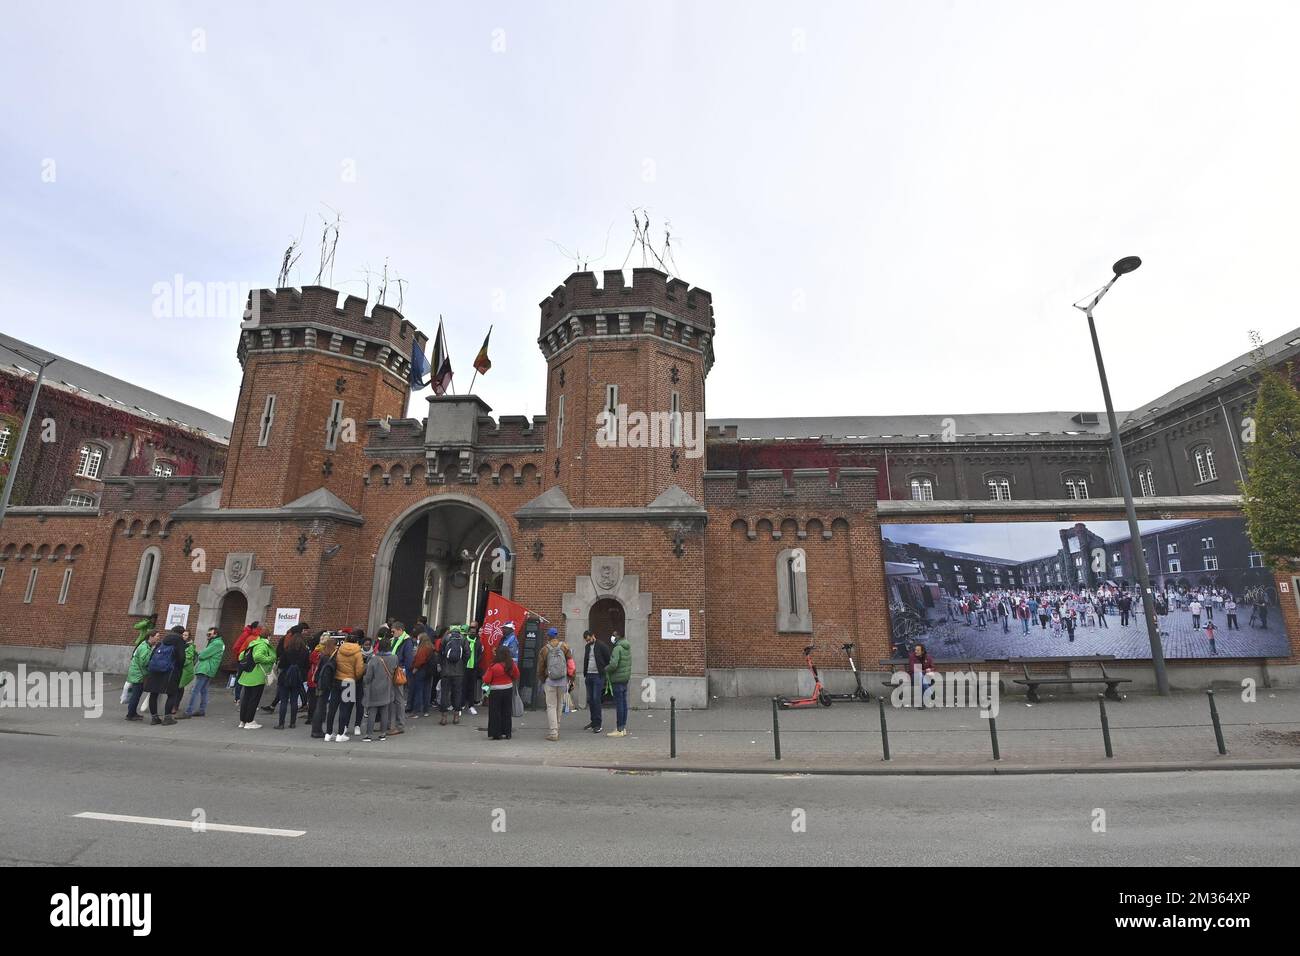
[
  {"x": 475, "y": 376},
  {"x": 444, "y": 336}
]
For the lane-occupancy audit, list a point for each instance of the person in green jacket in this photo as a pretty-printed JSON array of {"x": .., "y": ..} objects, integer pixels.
[
  {"x": 619, "y": 671},
  {"x": 135, "y": 674},
  {"x": 262, "y": 656},
  {"x": 205, "y": 667}
]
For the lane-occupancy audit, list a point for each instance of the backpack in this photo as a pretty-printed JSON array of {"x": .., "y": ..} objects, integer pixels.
[
  {"x": 556, "y": 665},
  {"x": 246, "y": 662},
  {"x": 163, "y": 658},
  {"x": 453, "y": 649}
]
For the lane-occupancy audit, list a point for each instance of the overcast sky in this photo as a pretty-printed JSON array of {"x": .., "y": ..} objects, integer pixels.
[
  {"x": 1013, "y": 540},
  {"x": 893, "y": 204}
]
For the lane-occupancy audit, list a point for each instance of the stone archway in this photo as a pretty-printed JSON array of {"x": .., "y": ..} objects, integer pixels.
[
  {"x": 237, "y": 575},
  {"x": 608, "y": 582},
  {"x": 387, "y": 549}
]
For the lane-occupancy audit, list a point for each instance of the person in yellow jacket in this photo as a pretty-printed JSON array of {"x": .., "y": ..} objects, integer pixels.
[{"x": 350, "y": 667}]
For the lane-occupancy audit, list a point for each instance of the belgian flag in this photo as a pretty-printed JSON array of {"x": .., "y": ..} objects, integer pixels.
[{"x": 481, "y": 362}]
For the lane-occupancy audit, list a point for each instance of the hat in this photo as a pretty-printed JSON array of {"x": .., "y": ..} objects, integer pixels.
[
  {"x": 553, "y": 632},
  {"x": 508, "y": 627}
]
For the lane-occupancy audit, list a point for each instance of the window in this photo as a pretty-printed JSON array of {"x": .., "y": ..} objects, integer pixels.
[
  {"x": 1175, "y": 566},
  {"x": 334, "y": 424},
  {"x": 922, "y": 489},
  {"x": 559, "y": 424},
  {"x": 63, "y": 588},
  {"x": 675, "y": 421},
  {"x": 1256, "y": 559},
  {"x": 1172, "y": 549},
  {"x": 1211, "y": 563},
  {"x": 4, "y": 441},
  {"x": 999, "y": 489},
  {"x": 79, "y": 499},
  {"x": 1207, "y": 544},
  {"x": 90, "y": 461},
  {"x": 268, "y": 419},
  {"x": 1078, "y": 560},
  {"x": 31, "y": 586},
  {"x": 792, "y": 612},
  {"x": 1146, "y": 482},
  {"x": 146, "y": 583},
  {"x": 1205, "y": 470},
  {"x": 1115, "y": 557},
  {"x": 611, "y": 413},
  {"x": 163, "y": 469},
  {"x": 2, "y": 576},
  {"x": 1076, "y": 487}
]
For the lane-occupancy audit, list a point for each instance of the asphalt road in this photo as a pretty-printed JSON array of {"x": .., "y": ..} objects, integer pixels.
[{"x": 375, "y": 810}]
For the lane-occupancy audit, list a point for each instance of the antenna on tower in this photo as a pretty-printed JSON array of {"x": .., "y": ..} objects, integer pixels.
[
  {"x": 291, "y": 257},
  {"x": 580, "y": 262},
  {"x": 383, "y": 283},
  {"x": 329, "y": 243}
]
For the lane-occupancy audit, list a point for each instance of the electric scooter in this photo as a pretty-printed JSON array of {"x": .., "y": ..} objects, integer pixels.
[
  {"x": 859, "y": 693},
  {"x": 818, "y": 696}
]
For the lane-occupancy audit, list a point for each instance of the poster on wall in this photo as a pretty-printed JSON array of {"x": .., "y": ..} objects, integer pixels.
[
  {"x": 285, "y": 618},
  {"x": 1059, "y": 589},
  {"x": 675, "y": 625},
  {"x": 178, "y": 615}
]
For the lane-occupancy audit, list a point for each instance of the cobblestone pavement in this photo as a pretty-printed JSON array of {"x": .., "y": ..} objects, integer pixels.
[{"x": 957, "y": 639}]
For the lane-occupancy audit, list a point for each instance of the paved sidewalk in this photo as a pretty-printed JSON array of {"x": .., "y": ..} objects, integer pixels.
[{"x": 1062, "y": 733}]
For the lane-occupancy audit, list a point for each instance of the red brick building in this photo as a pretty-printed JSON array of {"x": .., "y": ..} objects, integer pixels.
[{"x": 334, "y": 504}]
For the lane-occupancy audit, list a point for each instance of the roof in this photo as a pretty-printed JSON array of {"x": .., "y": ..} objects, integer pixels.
[
  {"x": 858, "y": 427},
  {"x": 96, "y": 386}
]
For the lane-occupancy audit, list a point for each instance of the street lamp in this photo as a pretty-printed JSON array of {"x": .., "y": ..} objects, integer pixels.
[
  {"x": 1124, "y": 267},
  {"x": 27, "y": 424}
]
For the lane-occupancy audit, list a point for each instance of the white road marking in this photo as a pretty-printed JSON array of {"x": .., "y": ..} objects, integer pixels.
[{"x": 188, "y": 824}]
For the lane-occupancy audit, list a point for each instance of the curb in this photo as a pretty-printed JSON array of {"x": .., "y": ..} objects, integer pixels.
[{"x": 939, "y": 771}]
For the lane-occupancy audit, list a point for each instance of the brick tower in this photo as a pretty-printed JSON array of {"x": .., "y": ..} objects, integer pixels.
[
  {"x": 314, "y": 374},
  {"x": 644, "y": 348}
]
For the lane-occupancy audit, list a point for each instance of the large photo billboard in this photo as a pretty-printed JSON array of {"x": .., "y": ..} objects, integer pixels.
[{"x": 1068, "y": 589}]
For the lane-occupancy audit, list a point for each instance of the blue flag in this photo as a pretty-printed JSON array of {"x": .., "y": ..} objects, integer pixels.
[{"x": 419, "y": 366}]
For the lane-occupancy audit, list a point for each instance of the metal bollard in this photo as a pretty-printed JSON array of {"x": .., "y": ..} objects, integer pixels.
[
  {"x": 1218, "y": 728},
  {"x": 672, "y": 727},
  {"x": 1105, "y": 725},
  {"x": 776, "y": 730},
  {"x": 884, "y": 728},
  {"x": 993, "y": 735}
]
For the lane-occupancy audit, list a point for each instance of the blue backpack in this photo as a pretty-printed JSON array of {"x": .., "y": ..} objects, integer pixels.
[{"x": 163, "y": 658}]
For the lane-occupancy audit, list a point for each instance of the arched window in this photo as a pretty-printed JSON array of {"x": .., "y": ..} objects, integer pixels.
[
  {"x": 1146, "y": 481},
  {"x": 146, "y": 583},
  {"x": 80, "y": 499},
  {"x": 162, "y": 468},
  {"x": 1076, "y": 486},
  {"x": 922, "y": 488},
  {"x": 90, "y": 461},
  {"x": 793, "y": 616},
  {"x": 1203, "y": 456},
  {"x": 999, "y": 487}
]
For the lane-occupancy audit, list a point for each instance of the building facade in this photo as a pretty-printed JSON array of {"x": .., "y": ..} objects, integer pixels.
[{"x": 766, "y": 536}]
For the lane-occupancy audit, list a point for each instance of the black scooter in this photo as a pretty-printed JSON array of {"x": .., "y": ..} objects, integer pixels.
[{"x": 859, "y": 693}]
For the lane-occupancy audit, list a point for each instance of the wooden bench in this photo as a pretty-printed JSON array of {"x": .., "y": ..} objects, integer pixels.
[
  {"x": 966, "y": 663},
  {"x": 1033, "y": 683}
]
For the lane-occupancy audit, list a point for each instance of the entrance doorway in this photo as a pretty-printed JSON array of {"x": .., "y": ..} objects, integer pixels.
[
  {"x": 606, "y": 617},
  {"x": 234, "y": 614}
]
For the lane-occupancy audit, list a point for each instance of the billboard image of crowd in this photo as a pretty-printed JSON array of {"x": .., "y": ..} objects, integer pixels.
[{"x": 1002, "y": 590}]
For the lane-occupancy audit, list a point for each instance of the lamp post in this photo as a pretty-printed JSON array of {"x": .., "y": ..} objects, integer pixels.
[
  {"x": 27, "y": 424},
  {"x": 1123, "y": 267}
]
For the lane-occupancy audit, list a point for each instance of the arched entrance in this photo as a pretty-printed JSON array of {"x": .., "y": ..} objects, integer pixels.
[
  {"x": 439, "y": 560},
  {"x": 230, "y": 623},
  {"x": 605, "y": 618}
]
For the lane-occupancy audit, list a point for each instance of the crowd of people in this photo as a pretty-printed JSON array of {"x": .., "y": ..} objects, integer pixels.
[
  {"x": 1063, "y": 611},
  {"x": 340, "y": 682}
]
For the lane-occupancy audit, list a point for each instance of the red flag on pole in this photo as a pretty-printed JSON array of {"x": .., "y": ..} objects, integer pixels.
[{"x": 500, "y": 612}]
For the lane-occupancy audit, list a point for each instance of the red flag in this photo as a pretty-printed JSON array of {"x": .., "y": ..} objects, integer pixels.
[{"x": 500, "y": 612}]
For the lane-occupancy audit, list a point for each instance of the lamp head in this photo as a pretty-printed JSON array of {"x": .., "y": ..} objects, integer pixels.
[{"x": 1126, "y": 265}]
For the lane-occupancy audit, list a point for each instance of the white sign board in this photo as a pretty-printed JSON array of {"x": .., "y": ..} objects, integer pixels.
[
  {"x": 675, "y": 624},
  {"x": 177, "y": 614},
  {"x": 285, "y": 618}
]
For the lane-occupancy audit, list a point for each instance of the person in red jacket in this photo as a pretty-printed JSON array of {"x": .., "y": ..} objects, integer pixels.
[
  {"x": 249, "y": 632},
  {"x": 500, "y": 680}
]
